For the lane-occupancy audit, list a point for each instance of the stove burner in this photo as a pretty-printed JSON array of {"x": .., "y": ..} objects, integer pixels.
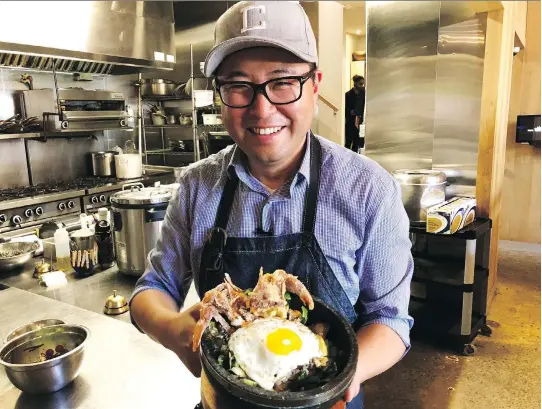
[{"x": 53, "y": 187}]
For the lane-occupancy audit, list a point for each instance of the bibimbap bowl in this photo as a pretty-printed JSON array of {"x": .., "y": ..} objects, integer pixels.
[{"x": 242, "y": 395}]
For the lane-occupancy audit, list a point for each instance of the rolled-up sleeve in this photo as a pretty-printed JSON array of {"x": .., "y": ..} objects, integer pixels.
[
  {"x": 168, "y": 263},
  {"x": 385, "y": 261}
]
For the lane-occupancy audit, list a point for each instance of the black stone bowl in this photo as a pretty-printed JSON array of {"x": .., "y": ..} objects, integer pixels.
[{"x": 341, "y": 335}]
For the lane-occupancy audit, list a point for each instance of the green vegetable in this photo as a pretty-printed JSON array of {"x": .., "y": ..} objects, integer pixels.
[
  {"x": 232, "y": 360},
  {"x": 303, "y": 374},
  {"x": 239, "y": 372},
  {"x": 220, "y": 360},
  {"x": 287, "y": 296},
  {"x": 247, "y": 292},
  {"x": 304, "y": 314},
  {"x": 249, "y": 382}
]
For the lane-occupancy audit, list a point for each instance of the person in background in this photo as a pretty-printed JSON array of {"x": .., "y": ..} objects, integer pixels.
[
  {"x": 354, "y": 107},
  {"x": 281, "y": 198}
]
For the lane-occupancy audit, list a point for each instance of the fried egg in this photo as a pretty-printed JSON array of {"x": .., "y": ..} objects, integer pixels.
[{"x": 270, "y": 349}]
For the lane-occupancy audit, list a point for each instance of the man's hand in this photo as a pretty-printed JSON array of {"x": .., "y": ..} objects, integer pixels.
[
  {"x": 158, "y": 316},
  {"x": 178, "y": 335}
]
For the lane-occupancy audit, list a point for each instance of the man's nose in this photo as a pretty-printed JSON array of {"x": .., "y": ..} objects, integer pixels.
[{"x": 261, "y": 107}]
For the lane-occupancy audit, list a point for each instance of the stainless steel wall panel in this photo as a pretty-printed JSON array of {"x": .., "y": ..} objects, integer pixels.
[
  {"x": 460, "y": 70},
  {"x": 62, "y": 159},
  {"x": 425, "y": 64},
  {"x": 402, "y": 40},
  {"x": 13, "y": 170}
]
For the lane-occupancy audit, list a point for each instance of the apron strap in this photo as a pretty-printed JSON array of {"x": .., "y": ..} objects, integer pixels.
[
  {"x": 311, "y": 198},
  {"x": 224, "y": 207}
]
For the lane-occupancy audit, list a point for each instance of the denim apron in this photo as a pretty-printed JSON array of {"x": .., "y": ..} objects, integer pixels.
[{"x": 297, "y": 253}]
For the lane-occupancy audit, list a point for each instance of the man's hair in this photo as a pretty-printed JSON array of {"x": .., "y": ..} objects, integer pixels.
[{"x": 357, "y": 78}]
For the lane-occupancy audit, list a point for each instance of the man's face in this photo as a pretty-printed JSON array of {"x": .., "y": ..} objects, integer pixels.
[
  {"x": 359, "y": 85},
  {"x": 269, "y": 134}
]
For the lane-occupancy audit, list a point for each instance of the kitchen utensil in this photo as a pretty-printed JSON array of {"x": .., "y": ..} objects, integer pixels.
[
  {"x": 41, "y": 268},
  {"x": 47, "y": 359},
  {"x": 103, "y": 163},
  {"x": 128, "y": 165},
  {"x": 138, "y": 213},
  {"x": 185, "y": 119},
  {"x": 421, "y": 189},
  {"x": 115, "y": 304},
  {"x": 83, "y": 252},
  {"x": 176, "y": 145},
  {"x": 203, "y": 98},
  {"x": 158, "y": 87},
  {"x": 212, "y": 119},
  {"x": 232, "y": 392},
  {"x": 16, "y": 254},
  {"x": 171, "y": 119},
  {"x": 25, "y": 329},
  {"x": 158, "y": 118}
]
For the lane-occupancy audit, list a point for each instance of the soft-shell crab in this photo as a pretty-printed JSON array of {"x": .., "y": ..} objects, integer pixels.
[{"x": 240, "y": 307}]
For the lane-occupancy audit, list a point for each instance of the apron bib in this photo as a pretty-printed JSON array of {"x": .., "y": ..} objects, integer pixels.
[{"x": 297, "y": 253}]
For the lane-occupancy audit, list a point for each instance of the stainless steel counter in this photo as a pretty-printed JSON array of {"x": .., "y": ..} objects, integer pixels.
[
  {"x": 122, "y": 369},
  {"x": 89, "y": 293}
]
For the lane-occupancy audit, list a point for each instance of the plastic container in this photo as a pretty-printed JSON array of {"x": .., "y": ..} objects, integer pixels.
[{"x": 62, "y": 250}]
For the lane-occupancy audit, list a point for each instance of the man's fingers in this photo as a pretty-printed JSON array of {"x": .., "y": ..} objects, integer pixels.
[{"x": 351, "y": 392}]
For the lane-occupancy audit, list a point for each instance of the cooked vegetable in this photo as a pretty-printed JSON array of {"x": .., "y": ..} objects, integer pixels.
[
  {"x": 304, "y": 314},
  {"x": 249, "y": 382},
  {"x": 238, "y": 371}
]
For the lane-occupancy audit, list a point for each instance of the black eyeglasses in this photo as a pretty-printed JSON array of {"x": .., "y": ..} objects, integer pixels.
[{"x": 278, "y": 91}]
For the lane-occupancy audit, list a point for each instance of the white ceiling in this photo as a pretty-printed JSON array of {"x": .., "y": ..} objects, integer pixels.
[{"x": 354, "y": 17}]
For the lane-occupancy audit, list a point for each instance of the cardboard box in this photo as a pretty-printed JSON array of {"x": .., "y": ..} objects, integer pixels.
[{"x": 451, "y": 216}]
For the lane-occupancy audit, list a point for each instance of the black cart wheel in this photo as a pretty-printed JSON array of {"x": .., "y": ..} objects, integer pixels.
[
  {"x": 469, "y": 349},
  {"x": 486, "y": 331}
]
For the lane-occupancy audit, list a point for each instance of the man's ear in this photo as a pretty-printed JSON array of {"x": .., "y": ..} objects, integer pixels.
[{"x": 316, "y": 83}]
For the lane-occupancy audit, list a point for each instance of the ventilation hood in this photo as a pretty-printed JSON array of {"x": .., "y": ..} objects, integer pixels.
[{"x": 97, "y": 37}]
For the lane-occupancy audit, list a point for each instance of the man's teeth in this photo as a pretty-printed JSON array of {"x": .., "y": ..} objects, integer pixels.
[{"x": 266, "y": 131}]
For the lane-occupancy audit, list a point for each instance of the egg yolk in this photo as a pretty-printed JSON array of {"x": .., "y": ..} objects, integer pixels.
[{"x": 283, "y": 341}]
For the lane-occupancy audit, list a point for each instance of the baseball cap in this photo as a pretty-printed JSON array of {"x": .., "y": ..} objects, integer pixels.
[{"x": 280, "y": 24}]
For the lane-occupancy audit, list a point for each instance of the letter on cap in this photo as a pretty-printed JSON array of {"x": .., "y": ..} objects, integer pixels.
[{"x": 256, "y": 20}]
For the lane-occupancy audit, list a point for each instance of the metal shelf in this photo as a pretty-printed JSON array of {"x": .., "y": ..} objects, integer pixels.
[
  {"x": 25, "y": 135},
  {"x": 167, "y": 126},
  {"x": 169, "y": 152},
  {"x": 166, "y": 98}
]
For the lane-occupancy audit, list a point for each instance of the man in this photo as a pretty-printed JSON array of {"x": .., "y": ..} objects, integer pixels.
[
  {"x": 353, "y": 108},
  {"x": 281, "y": 198}
]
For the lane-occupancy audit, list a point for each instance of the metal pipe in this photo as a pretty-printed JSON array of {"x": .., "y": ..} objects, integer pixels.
[
  {"x": 194, "y": 111},
  {"x": 56, "y": 91},
  {"x": 140, "y": 123}
]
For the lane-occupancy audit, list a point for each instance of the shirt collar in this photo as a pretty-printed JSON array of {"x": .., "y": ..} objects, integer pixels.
[{"x": 238, "y": 164}]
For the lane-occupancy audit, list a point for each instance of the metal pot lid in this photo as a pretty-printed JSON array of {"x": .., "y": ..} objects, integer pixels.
[
  {"x": 420, "y": 176},
  {"x": 148, "y": 195},
  {"x": 157, "y": 81},
  {"x": 105, "y": 153}
]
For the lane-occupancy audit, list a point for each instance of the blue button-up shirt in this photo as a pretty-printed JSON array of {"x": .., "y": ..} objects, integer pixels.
[{"x": 361, "y": 226}]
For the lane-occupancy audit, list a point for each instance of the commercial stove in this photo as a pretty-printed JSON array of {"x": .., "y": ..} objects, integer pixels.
[{"x": 23, "y": 209}]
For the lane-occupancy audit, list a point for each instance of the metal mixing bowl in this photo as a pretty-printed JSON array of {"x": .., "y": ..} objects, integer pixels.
[
  {"x": 24, "y": 358},
  {"x": 23, "y": 329},
  {"x": 22, "y": 251}
]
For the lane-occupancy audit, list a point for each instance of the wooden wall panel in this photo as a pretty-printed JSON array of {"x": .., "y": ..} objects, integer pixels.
[{"x": 521, "y": 190}]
